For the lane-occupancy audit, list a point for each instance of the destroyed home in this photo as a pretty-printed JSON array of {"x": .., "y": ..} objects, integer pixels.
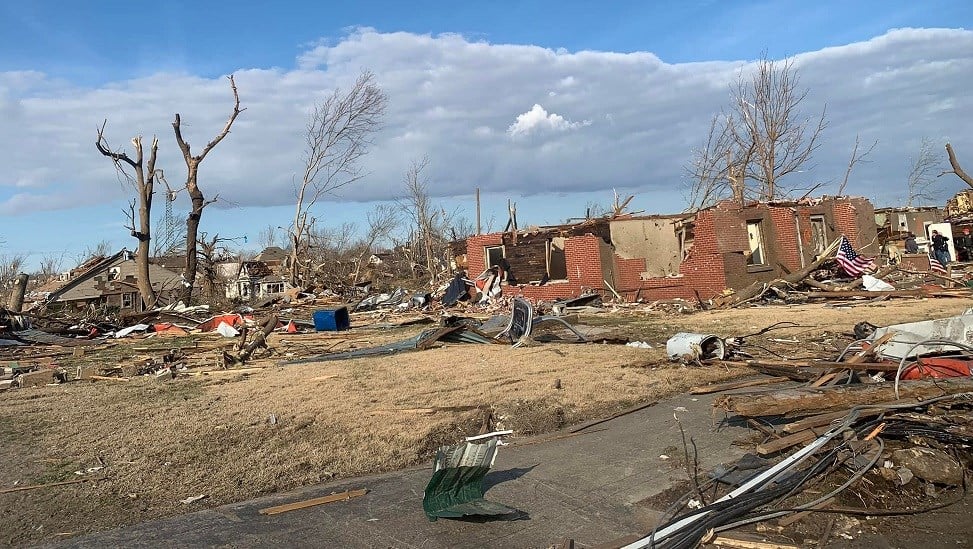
[
  {"x": 107, "y": 282},
  {"x": 255, "y": 279},
  {"x": 690, "y": 256},
  {"x": 897, "y": 223}
]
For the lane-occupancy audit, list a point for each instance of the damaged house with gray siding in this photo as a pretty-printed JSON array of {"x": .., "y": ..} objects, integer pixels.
[{"x": 110, "y": 283}]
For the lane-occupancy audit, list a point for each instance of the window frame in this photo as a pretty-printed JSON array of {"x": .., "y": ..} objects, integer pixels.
[
  {"x": 819, "y": 245},
  {"x": 486, "y": 254}
]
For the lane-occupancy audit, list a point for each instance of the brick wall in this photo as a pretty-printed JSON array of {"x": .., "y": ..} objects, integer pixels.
[
  {"x": 581, "y": 253},
  {"x": 784, "y": 244},
  {"x": 583, "y": 257},
  {"x": 702, "y": 270},
  {"x": 855, "y": 217},
  {"x": 475, "y": 260}
]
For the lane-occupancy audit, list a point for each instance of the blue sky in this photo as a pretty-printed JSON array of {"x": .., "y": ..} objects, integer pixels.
[{"x": 69, "y": 65}]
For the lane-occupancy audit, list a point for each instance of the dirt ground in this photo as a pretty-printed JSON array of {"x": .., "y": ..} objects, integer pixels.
[{"x": 237, "y": 436}]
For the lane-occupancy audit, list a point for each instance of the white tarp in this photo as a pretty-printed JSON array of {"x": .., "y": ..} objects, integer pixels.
[
  {"x": 873, "y": 284},
  {"x": 226, "y": 330},
  {"x": 126, "y": 331}
]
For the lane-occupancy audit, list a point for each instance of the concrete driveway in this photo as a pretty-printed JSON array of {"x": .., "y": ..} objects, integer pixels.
[{"x": 586, "y": 487}]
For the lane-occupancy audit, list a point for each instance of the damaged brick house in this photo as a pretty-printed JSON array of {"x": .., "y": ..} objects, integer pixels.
[
  {"x": 672, "y": 256},
  {"x": 108, "y": 282}
]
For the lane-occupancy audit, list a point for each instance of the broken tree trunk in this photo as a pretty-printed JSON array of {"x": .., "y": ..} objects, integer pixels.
[
  {"x": 957, "y": 169},
  {"x": 16, "y": 302},
  {"x": 259, "y": 339},
  {"x": 758, "y": 288},
  {"x": 806, "y": 400}
]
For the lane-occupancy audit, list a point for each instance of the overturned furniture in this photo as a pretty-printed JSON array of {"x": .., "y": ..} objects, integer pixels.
[{"x": 523, "y": 322}]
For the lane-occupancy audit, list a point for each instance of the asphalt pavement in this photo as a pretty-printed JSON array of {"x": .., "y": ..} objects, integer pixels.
[{"x": 589, "y": 487}]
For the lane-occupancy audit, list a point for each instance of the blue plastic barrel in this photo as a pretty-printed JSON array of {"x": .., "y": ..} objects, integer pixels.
[{"x": 332, "y": 320}]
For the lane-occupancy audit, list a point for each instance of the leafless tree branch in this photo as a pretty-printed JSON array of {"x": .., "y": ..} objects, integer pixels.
[
  {"x": 856, "y": 158},
  {"x": 920, "y": 181}
]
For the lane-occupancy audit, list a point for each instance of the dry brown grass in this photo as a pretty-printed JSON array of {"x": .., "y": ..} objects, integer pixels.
[{"x": 165, "y": 441}]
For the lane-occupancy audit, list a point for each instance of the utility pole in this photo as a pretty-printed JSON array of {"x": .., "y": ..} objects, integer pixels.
[{"x": 478, "y": 210}]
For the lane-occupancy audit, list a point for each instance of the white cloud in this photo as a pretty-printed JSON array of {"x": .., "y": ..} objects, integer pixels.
[
  {"x": 539, "y": 120},
  {"x": 453, "y": 99}
]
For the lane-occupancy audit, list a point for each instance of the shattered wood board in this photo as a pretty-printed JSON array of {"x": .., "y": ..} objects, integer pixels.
[{"x": 808, "y": 400}]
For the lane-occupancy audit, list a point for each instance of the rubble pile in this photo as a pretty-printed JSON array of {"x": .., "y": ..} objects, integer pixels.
[{"x": 883, "y": 428}]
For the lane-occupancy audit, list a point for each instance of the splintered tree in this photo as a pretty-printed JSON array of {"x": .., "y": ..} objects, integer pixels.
[
  {"x": 197, "y": 200},
  {"x": 337, "y": 136},
  {"x": 140, "y": 173},
  {"x": 758, "y": 139},
  {"x": 957, "y": 169},
  {"x": 211, "y": 252}
]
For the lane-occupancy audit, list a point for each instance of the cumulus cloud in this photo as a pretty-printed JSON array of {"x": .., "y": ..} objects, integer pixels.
[
  {"x": 453, "y": 99},
  {"x": 537, "y": 120}
]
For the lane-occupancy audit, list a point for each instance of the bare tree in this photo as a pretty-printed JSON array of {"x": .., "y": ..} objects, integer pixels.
[
  {"x": 269, "y": 236},
  {"x": 921, "y": 179},
  {"x": 337, "y": 136},
  {"x": 761, "y": 137},
  {"x": 427, "y": 243},
  {"x": 140, "y": 173},
  {"x": 91, "y": 251},
  {"x": 709, "y": 167},
  {"x": 381, "y": 222},
  {"x": 769, "y": 122},
  {"x": 461, "y": 228},
  {"x": 195, "y": 194},
  {"x": 50, "y": 266},
  {"x": 416, "y": 205},
  {"x": 856, "y": 158},
  {"x": 957, "y": 169}
]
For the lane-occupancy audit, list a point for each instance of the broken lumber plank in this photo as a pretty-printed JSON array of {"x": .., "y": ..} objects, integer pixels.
[
  {"x": 777, "y": 369},
  {"x": 771, "y": 366},
  {"x": 824, "y": 379},
  {"x": 49, "y": 485},
  {"x": 229, "y": 371},
  {"x": 869, "y": 353},
  {"x": 730, "y": 385},
  {"x": 108, "y": 378},
  {"x": 865, "y": 293},
  {"x": 821, "y": 420},
  {"x": 808, "y": 400},
  {"x": 724, "y": 540},
  {"x": 342, "y": 496},
  {"x": 785, "y": 442}
]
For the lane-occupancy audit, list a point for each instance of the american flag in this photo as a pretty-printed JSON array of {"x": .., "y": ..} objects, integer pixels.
[
  {"x": 936, "y": 266},
  {"x": 850, "y": 261}
]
